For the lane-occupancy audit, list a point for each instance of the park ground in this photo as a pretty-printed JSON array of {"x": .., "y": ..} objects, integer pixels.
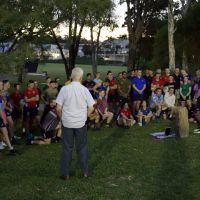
[{"x": 125, "y": 163}]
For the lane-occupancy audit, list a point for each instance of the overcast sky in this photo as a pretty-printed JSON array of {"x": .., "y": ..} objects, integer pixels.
[{"x": 120, "y": 13}]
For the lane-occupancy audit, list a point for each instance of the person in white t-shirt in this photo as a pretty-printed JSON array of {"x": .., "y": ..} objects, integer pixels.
[
  {"x": 169, "y": 102},
  {"x": 74, "y": 104}
]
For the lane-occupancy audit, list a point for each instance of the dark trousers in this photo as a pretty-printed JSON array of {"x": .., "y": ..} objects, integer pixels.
[{"x": 80, "y": 137}]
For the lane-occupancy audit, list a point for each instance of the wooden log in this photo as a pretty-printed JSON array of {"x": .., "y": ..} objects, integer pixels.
[{"x": 181, "y": 122}]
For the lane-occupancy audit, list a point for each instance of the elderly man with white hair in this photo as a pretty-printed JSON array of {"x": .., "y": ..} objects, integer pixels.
[{"x": 74, "y": 104}]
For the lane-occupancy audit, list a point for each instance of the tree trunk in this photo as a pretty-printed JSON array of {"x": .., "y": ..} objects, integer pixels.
[
  {"x": 20, "y": 75},
  {"x": 72, "y": 57},
  {"x": 185, "y": 7},
  {"x": 184, "y": 60},
  {"x": 67, "y": 71},
  {"x": 94, "y": 64},
  {"x": 171, "y": 35},
  {"x": 131, "y": 57},
  {"x": 74, "y": 47}
]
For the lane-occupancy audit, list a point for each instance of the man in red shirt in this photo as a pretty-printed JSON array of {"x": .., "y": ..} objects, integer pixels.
[
  {"x": 165, "y": 76},
  {"x": 31, "y": 97},
  {"x": 157, "y": 82},
  {"x": 16, "y": 97},
  {"x": 112, "y": 94}
]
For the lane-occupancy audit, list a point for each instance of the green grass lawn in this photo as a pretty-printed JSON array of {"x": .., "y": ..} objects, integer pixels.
[
  {"x": 126, "y": 164},
  {"x": 58, "y": 70}
]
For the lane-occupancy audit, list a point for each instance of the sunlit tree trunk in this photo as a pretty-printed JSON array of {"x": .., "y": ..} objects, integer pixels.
[{"x": 171, "y": 35}]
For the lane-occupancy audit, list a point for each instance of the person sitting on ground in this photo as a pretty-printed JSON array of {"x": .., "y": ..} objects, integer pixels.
[
  {"x": 50, "y": 93},
  {"x": 50, "y": 126},
  {"x": 94, "y": 118},
  {"x": 157, "y": 103},
  {"x": 191, "y": 111},
  {"x": 101, "y": 86},
  {"x": 102, "y": 107},
  {"x": 125, "y": 118},
  {"x": 197, "y": 112},
  {"x": 145, "y": 114},
  {"x": 169, "y": 103}
]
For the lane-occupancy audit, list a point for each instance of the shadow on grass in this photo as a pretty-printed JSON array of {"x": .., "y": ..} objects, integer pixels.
[
  {"x": 105, "y": 146},
  {"x": 172, "y": 178}
]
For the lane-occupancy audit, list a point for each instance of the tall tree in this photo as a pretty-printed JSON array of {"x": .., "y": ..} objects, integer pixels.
[
  {"x": 138, "y": 16},
  {"x": 185, "y": 5},
  {"x": 171, "y": 34},
  {"x": 100, "y": 15}
]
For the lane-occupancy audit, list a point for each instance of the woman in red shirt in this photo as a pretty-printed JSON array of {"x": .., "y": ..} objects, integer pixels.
[{"x": 125, "y": 117}]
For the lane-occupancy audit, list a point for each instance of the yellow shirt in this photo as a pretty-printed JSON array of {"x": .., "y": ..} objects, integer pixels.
[{"x": 67, "y": 82}]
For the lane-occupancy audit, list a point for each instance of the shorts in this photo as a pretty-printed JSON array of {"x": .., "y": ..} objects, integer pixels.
[
  {"x": 2, "y": 124},
  {"x": 16, "y": 113},
  {"x": 124, "y": 99},
  {"x": 30, "y": 112},
  {"x": 138, "y": 97},
  {"x": 112, "y": 98},
  {"x": 165, "y": 111},
  {"x": 8, "y": 113},
  {"x": 153, "y": 110},
  {"x": 94, "y": 116}
]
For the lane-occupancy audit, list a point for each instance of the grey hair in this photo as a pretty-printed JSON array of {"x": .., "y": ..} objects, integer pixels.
[{"x": 77, "y": 73}]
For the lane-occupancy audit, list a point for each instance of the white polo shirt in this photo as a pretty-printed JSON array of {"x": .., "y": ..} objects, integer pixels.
[{"x": 74, "y": 99}]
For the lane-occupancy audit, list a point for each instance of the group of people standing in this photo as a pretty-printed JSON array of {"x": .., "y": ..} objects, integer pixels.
[
  {"x": 20, "y": 110},
  {"x": 143, "y": 97},
  {"x": 135, "y": 99}
]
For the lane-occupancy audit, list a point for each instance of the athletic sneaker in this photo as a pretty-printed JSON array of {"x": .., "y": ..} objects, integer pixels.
[
  {"x": 17, "y": 137},
  {"x": 140, "y": 124},
  {"x": 12, "y": 152},
  {"x": 108, "y": 125},
  {"x": 1, "y": 146},
  {"x": 197, "y": 132},
  {"x": 4, "y": 144}
]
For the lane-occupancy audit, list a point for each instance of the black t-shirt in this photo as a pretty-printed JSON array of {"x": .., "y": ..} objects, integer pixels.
[
  {"x": 169, "y": 85},
  {"x": 148, "y": 81},
  {"x": 177, "y": 79},
  {"x": 89, "y": 85},
  {"x": 191, "y": 111}
]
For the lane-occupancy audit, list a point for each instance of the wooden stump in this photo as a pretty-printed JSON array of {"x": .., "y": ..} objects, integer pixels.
[{"x": 181, "y": 122}]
